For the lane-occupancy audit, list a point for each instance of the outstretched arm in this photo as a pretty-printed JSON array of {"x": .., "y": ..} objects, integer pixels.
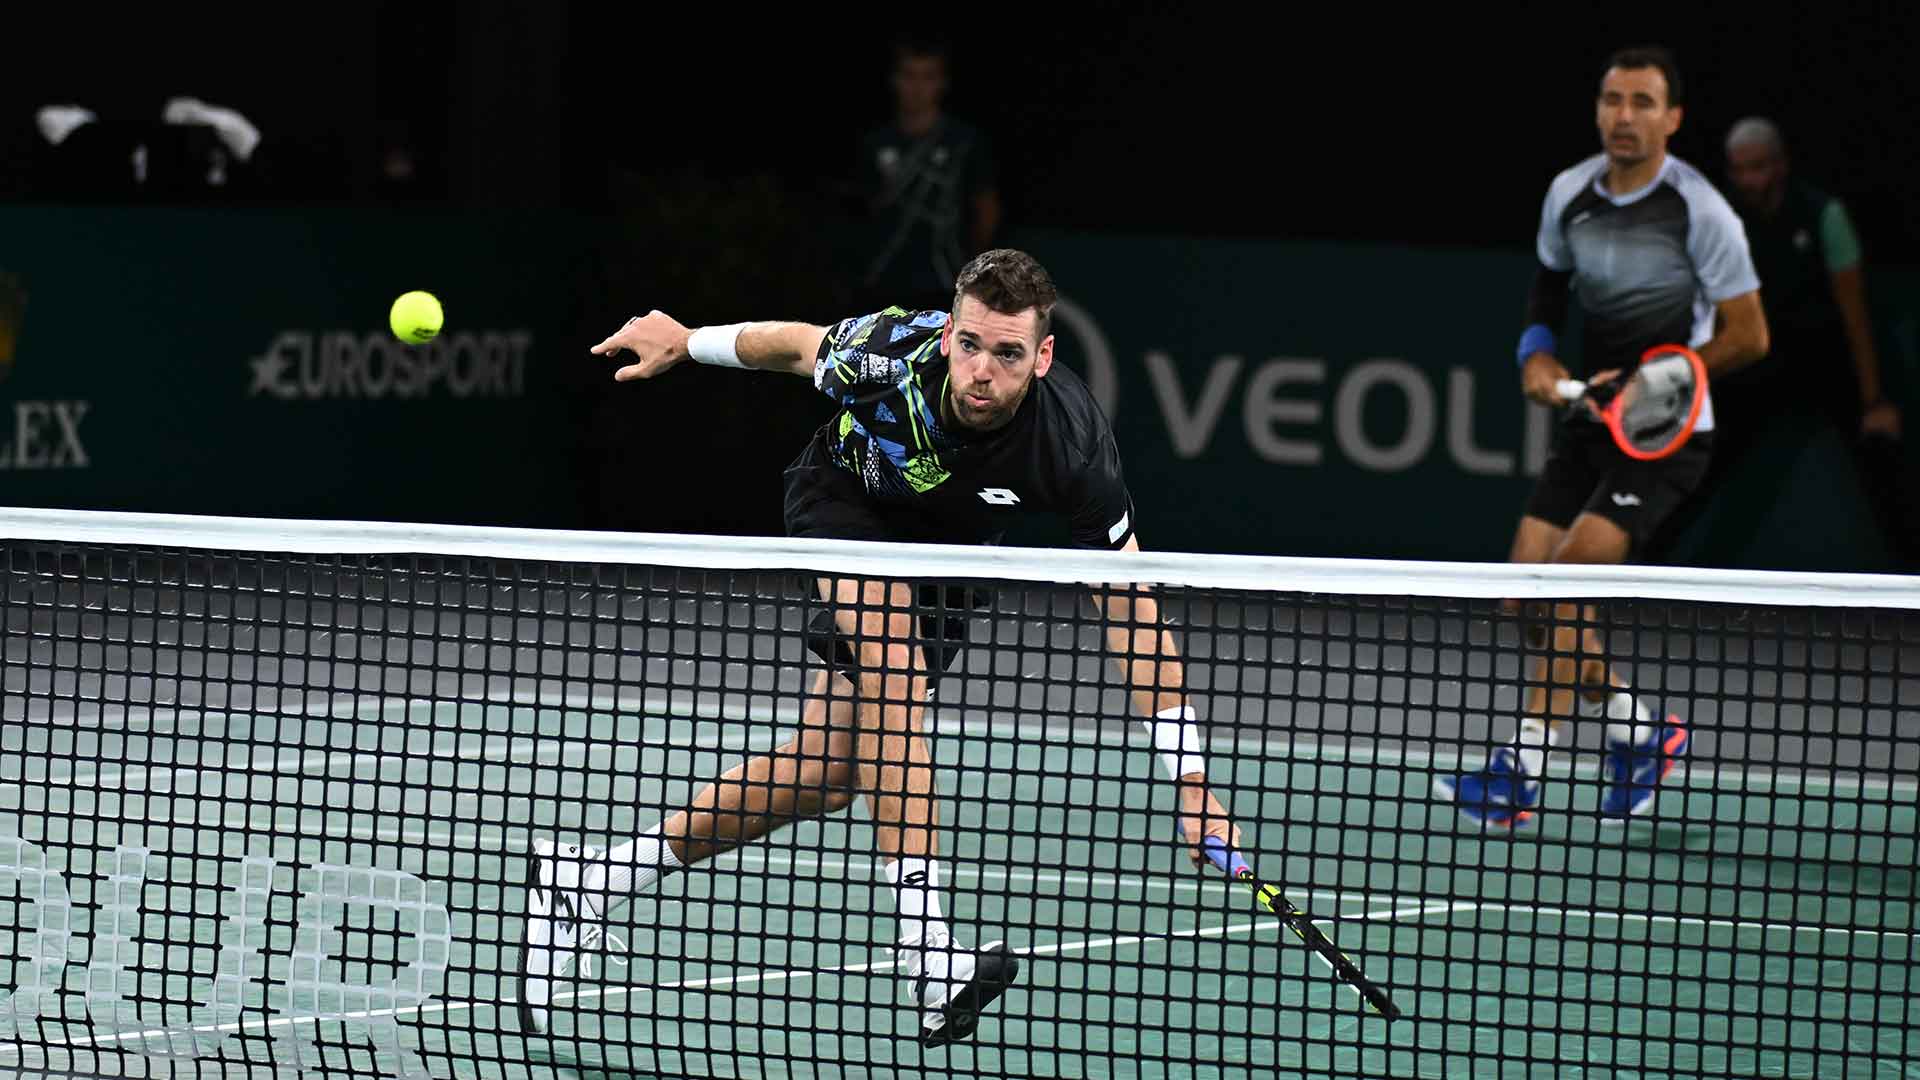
[
  {"x": 1156, "y": 681},
  {"x": 658, "y": 341}
]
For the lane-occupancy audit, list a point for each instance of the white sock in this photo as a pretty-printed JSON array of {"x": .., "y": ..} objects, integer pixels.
[
  {"x": 916, "y": 883},
  {"x": 1623, "y": 706},
  {"x": 633, "y": 867},
  {"x": 1531, "y": 745}
]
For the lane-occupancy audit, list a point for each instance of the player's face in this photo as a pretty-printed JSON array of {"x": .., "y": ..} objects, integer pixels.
[
  {"x": 1634, "y": 118},
  {"x": 992, "y": 360},
  {"x": 918, "y": 82},
  {"x": 1756, "y": 173}
]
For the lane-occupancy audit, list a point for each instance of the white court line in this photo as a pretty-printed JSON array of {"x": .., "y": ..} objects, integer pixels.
[
  {"x": 526, "y": 749},
  {"x": 1423, "y": 906},
  {"x": 115, "y": 777},
  {"x": 1419, "y": 910},
  {"x": 1063, "y": 877},
  {"x": 1243, "y": 747},
  {"x": 734, "y": 981},
  {"x": 1056, "y": 948},
  {"x": 520, "y": 750},
  {"x": 151, "y": 713},
  {"x": 1169, "y": 884},
  {"x": 490, "y": 750},
  {"x": 503, "y": 844},
  {"x": 1690, "y": 920},
  {"x": 1111, "y": 881}
]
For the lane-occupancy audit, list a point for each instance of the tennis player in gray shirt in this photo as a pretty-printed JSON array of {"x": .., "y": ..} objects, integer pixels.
[{"x": 1655, "y": 256}]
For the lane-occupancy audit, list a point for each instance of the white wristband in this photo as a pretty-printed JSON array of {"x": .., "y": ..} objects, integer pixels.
[
  {"x": 715, "y": 345},
  {"x": 1177, "y": 738}
]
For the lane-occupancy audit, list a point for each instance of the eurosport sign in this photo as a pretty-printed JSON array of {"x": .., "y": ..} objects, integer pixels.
[{"x": 258, "y": 376}]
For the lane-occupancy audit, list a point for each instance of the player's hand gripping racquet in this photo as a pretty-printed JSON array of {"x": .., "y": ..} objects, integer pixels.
[
  {"x": 1236, "y": 867},
  {"x": 1651, "y": 411}
]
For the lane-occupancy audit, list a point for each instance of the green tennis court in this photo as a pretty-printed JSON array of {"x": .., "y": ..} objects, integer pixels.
[{"x": 1766, "y": 927}]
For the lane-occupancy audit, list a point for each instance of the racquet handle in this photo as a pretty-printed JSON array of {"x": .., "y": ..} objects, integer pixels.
[
  {"x": 1230, "y": 861},
  {"x": 1569, "y": 389},
  {"x": 1224, "y": 857}
]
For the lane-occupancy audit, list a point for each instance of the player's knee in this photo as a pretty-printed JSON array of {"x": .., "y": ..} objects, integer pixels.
[
  {"x": 832, "y": 701},
  {"x": 883, "y": 665},
  {"x": 839, "y": 783},
  {"x": 1594, "y": 540},
  {"x": 827, "y": 782}
]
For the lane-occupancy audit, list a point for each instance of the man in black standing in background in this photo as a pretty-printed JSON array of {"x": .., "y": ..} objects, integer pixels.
[
  {"x": 1823, "y": 368},
  {"x": 928, "y": 182}
]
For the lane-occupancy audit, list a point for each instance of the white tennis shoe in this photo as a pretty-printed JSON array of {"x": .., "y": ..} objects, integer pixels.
[
  {"x": 954, "y": 986},
  {"x": 562, "y": 929}
]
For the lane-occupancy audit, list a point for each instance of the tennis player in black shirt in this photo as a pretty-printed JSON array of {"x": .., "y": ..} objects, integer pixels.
[{"x": 948, "y": 423}]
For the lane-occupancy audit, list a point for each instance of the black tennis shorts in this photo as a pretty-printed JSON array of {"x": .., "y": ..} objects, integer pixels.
[
  {"x": 1587, "y": 473},
  {"x": 826, "y": 501}
]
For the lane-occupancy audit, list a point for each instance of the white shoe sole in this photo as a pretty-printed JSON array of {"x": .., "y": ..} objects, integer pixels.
[
  {"x": 995, "y": 970},
  {"x": 533, "y": 1014}
]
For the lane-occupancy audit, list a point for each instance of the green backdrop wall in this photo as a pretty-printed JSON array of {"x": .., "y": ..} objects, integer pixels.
[{"x": 1270, "y": 398}]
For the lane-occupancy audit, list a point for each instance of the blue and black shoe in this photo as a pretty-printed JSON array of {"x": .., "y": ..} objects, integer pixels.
[
  {"x": 1502, "y": 794},
  {"x": 1633, "y": 772}
]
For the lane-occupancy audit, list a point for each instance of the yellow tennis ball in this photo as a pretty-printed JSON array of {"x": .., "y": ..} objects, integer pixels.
[{"x": 416, "y": 317}]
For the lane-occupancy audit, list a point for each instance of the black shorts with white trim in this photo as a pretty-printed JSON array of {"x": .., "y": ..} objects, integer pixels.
[
  {"x": 1587, "y": 473},
  {"x": 825, "y": 501}
]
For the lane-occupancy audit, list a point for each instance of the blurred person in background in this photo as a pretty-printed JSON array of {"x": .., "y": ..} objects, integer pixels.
[
  {"x": 928, "y": 185},
  {"x": 1824, "y": 367},
  {"x": 141, "y": 148}
]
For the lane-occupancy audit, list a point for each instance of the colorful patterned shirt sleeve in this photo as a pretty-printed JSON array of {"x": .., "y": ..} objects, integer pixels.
[{"x": 874, "y": 352}]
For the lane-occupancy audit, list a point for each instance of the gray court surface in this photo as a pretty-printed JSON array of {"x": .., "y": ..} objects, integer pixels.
[{"x": 269, "y": 821}]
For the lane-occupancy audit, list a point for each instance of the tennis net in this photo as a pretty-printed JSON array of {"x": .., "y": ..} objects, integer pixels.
[{"x": 270, "y": 794}]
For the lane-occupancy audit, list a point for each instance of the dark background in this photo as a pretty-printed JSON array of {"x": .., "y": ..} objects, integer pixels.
[{"x": 1207, "y": 119}]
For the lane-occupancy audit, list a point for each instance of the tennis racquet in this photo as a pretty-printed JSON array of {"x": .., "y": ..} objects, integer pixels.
[
  {"x": 1236, "y": 867},
  {"x": 1650, "y": 412}
]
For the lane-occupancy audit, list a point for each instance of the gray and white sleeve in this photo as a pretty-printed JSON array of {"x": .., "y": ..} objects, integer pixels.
[
  {"x": 1551, "y": 244},
  {"x": 1717, "y": 244}
]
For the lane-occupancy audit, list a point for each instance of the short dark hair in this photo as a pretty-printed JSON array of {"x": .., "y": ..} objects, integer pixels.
[
  {"x": 1009, "y": 282},
  {"x": 1640, "y": 57},
  {"x": 919, "y": 46}
]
